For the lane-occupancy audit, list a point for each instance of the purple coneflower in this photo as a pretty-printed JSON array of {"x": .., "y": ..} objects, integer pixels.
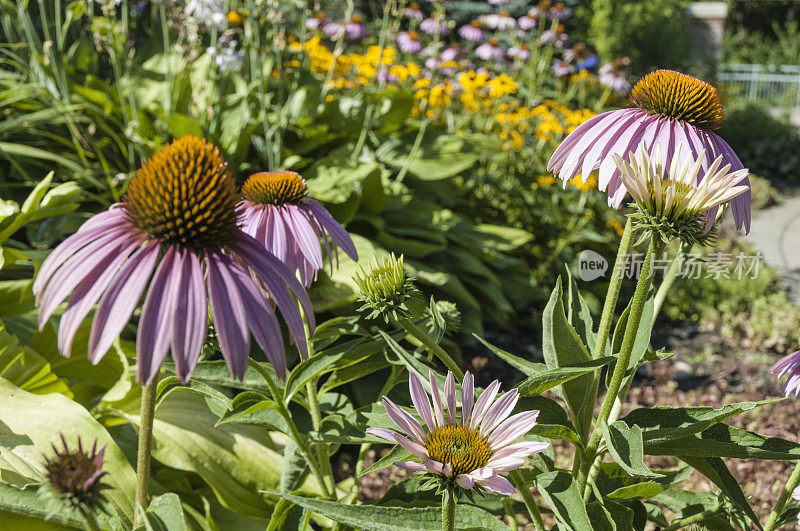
[
  {"x": 408, "y": 41},
  {"x": 355, "y": 30},
  {"x": 555, "y": 36},
  {"x": 499, "y": 2},
  {"x": 413, "y": 11},
  {"x": 177, "y": 223},
  {"x": 559, "y": 11},
  {"x": 333, "y": 30},
  {"x": 473, "y": 450},
  {"x": 502, "y": 21},
  {"x": 472, "y": 31},
  {"x": 562, "y": 68},
  {"x": 528, "y": 22},
  {"x": 521, "y": 52},
  {"x": 490, "y": 51},
  {"x": 278, "y": 213},
  {"x": 317, "y": 21},
  {"x": 614, "y": 75},
  {"x": 453, "y": 52},
  {"x": 670, "y": 109},
  {"x": 433, "y": 26},
  {"x": 789, "y": 365}
]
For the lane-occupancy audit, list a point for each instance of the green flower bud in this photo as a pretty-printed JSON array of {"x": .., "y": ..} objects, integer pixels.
[{"x": 385, "y": 290}]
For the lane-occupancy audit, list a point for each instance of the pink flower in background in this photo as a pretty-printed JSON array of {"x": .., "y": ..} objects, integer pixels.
[
  {"x": 408, "y": 41},
  {"x": 499, "y": 2},
  {"x": 278, "y": 213},
  {"x": 502, "y": 21},
  {"x": 562, "y": 68},
  {"x": 789, "y": 366},
  {"x": 355, "y": 30},
  {"x": 333, "y": 30},
  {"x": 317, "y": 21},
  {"x": 413, "y": 12},
  {"x": 173, "y": 239},
  {"x": 670, "y": 109},
  {"x": 521, "y": 52},
  {"x": 432, "y": 26},
  {"x": 614, "y": 75},
  {"x": 471, "y": 32},
  {"x": 491, "y": 51},
  {"x": 453, "y": 52},
  {"x": 474, "y": 449},
  {"x": 528, "y": 22},
  {"x": 559, "y": 11}
]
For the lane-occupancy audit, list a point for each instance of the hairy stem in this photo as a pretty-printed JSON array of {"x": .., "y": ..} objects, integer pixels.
[
  {"x": 621, "y": 367},
  {"x": 147, "y": 411},
  {"x": 791, "y": 483},
  {"x": 533, "y": 509},
  {"x": 448, "y": 509}
]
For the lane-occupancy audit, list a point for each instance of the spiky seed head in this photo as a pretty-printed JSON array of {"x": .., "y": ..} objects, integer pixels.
[
  {"x": 679, "y": 96},
  {"x": 384, "y": 288},
  {"x": 185, "y": 195},
  {"x": 275, "y": 188},
  {"x": 74, "y": 477}
]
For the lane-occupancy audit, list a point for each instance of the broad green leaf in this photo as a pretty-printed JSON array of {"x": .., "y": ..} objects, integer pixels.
[
  {"x": 440, "y": 155},
  {"x": 600, "y": 517},
  {"x": 579, "y": 315},
  {"x": 562, "y": 348},
  {"x": 627, "y": 448},
  {"x": 249, "y": 403},
  {"x": 615, "y": 483},
  {"x": 170, "y": 384},
  {"x": 27, "y": 369},
  {"x": 216, "y": 373},
  {"x": 528, "y": 368},
  {"x": 379, "y": 518},
  {"x": 165, "y": 514},
  {"x": 660, "y": 423},
  {"x": 236, "y": 460},
  {"x": 714, "y": 469},
  {"x": 398, "y": 453},
  {"x": 295, "y": 469},
  {"x": 31, "y": 422},
  {"x": 553, "y": 422},
  {"x": 23, "y": 510},
  {"x": 562, "y": 495},
  {"x": 722, "y": 440},
  {"x": 287, "y": 516},
  {"x": 549, "y": 378}
]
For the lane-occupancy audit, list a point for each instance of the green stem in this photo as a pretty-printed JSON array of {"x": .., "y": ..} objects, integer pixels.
[
  {"x": 791, "y": 483},
  {"x": 147, "y": 411},
  {"x": 621, "y": 367},
  {"x": 321, "y": 447},
  {"x": 509, "y": 508},
  {"x": 413, "y": 152},
  {"x": 91, "y": 521},
  {"x": 448, "y": 509},
  {"x": 533, "y": 509},
  {"x": 294, "y": 433},
  {"x": 669, "y": 280},
  {"x": 416, "y": 332},
  {"x": 689, "y": 520}
]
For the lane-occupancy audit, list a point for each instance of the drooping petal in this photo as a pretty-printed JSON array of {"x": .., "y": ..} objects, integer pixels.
[
  {"x": 155, "y": 326},
  {"x": 465, "y": 481},
  {"x": 789, "y": 365},
  {"x": 434, "y": 467},
  {"x": 497, "y": 484},
  {"x": 395, "y": 437},
  {"x": 304, "y": 234},
  {"x": 230, "y": 317},
  {"x": 120, "y": 299},
  {"x": 411, "y": 465},
  {"x": 339, "y": 235},
  {"x": 505, "y": 464},
  {"x": 191, "y": 315}
]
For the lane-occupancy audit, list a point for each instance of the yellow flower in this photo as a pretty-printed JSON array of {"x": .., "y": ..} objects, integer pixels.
[
  {"x": 616, "y": 225},
  {"x": 590, "y": 183},
  {"x": 440, "y": 95},
  {"x": 546, "y": 180},
  {"x": 501, "y": 85},
  {"x": 235, "y": 19}
]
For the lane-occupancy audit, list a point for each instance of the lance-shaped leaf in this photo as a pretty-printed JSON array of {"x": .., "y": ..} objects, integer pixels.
[{"x": 562, "y": 495}]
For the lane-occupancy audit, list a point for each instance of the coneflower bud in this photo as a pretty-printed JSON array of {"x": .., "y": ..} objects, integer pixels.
[
  {"x": 73, "y": 477},
  {"x": 449, "y": 312},
  {"x": 385, "y": 290}
]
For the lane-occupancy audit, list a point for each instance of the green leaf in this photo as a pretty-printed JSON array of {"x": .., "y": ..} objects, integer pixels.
[
  {"x": 27, "y": 369},
  {"x": 660, "y": 423},
  {"x": 170, "y": 384},
  {"x": 295, "y": 469},
  {"x": 398, "y": 453},
  {"x": 378, "y": 518},
  {"x": 600, "y": 517},
  {"x": 563, "y": 348},
  {"x": 286, "y": 516},
  {"x": 549, "y": 378},
  {"x": 714, "y": 469},
  {"x": 562, "y": 495},
  {"x": 722, "y": 440},
  {"x": 553, "y": 422},
  {"x": 579, "y": 315},
  {"x": 31, "y": 422},
  {"x": 165, "y": 514},
  {"x": 627, "y": 448},
  {"x": 615, "y": 483},
  {"x": 237, "y": 461},
  {"x": 528, "y": 368},
  {"x": 23, "y": 510}
]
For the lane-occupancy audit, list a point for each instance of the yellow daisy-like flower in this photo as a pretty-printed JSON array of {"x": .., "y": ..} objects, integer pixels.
[{"x": 545, "y": 180}]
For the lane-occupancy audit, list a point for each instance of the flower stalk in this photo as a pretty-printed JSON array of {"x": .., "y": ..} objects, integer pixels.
[
  {"x": 433, "y": 347},
  {"x": 147, "y": 411},
  {"x": 791, "y": 483},
  {"x": 448, "y": 509},
  {"x": 527, "y": 497}
]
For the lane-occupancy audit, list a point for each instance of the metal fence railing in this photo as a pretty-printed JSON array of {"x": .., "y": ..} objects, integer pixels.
[{"x": 775, "y": 85}]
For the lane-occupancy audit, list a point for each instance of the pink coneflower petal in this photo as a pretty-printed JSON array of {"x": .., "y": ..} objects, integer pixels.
[
  {"x": 498, "y": 485},
  {"x": 499, "y": 411},
  {"x": 512, "y": 428},
  {"x": 789, "y": 365},
  {"x": 465, "y": 481},
  {"x": 337, "y": 232},
  {"x": 191, "y": 315},
  {"x": 420, "y": 400},
  {"x": 117, "y": 304},
  {"x": 483, "y": 403},
  {"x": 88, "y": 291},
  {"x": 411, "y": 465},
  {"x": 435, "y": 467},
  {"x": 154, "y": 333},
  {"x": 395, "y": 437},
  {"x": 521, "y": 449},
  {"x": 450, "y": 396},
  {"x": 404, "y": 421},
  {"x": 467, "y": 397},
  {"x": 505, "y": 464},
  {"x": 436, "y": 399},
  {"x": 229, "y": 312}
]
